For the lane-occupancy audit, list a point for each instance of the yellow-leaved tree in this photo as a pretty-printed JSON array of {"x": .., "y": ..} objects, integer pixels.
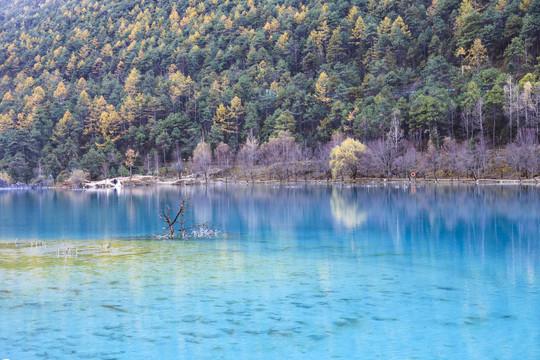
[
  {"x": 8, "y": 97},
  {"x": 27, "y": 116},
  {"x": 477, "y": 55},
  {"x": 322, "y": 88},
  {"x": 91, "y": 123},
  {"x": 131, "y": 155},
  {"x": 179, "y": 86},
  {"x": 132, "y": 81},
  {"x": 63, "y": 128},
  {"x": 81, "y": 85},
  {"x": 131, "y": 110},
  {"x": 222, "y": 119},
  {"x": 236, "y": 110},
  {"x": 346, "y": 157},
  {"x": 321, "y": 37},
  {"x": 6, "y": 122},
  {"x": 110, "y": 125},
  {"x": 359, "y": 31},
  {"x": 61, "y": 92}
]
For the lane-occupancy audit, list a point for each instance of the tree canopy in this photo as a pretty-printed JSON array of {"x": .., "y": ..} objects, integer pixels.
[{"x": 81, "y": 81}]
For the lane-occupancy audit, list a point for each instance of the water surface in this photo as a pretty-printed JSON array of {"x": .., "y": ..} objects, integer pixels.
[{"x": 301, "y": 272}]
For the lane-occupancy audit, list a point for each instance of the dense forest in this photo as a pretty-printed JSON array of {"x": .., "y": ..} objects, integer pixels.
[{"x": 112, "y": 86}]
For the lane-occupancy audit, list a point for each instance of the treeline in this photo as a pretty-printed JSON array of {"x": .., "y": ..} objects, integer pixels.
[
  {"x": 281, "y": 158},
  {"x": 83, "y": 82}
]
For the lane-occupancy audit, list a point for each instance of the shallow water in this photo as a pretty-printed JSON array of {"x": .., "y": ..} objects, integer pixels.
[{"x": 315, "y": 272}]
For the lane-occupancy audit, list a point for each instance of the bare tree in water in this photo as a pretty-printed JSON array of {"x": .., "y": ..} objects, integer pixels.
[{"x": 180, "y": 221}]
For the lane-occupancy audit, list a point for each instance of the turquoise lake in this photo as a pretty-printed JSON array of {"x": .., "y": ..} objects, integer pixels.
[{"x": 298, "y": 272}]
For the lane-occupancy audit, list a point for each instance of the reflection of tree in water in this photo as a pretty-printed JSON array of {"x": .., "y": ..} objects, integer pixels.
[
  {"x": 346, "y": 209},
  {"x": 260, "y": 208},
  {"x": 466, "y": 220}
]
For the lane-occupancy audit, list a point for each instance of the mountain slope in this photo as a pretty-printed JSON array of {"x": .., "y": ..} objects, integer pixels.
[{"x": 83, "y": 81}]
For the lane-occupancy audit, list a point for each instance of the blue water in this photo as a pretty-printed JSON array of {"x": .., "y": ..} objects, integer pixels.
[{"x": 299, "y": 272}]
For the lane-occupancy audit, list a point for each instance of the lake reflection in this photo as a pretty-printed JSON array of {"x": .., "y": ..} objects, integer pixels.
[{"x": 299, "y": 272}]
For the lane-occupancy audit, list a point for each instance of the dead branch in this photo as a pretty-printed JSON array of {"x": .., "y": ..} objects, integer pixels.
[{"x": 181, "y": 219}]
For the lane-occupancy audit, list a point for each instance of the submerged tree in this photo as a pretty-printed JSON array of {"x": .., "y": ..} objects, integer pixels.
[{"x": 181, "y": 222}]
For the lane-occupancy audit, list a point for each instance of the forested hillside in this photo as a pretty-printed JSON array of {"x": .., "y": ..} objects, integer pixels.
[{"x": 83, "y": 82}]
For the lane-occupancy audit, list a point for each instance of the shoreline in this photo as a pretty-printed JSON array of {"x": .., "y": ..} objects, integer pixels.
[
  {"x": 139, "y": 181},
  {"x": 148, "y": 180}
]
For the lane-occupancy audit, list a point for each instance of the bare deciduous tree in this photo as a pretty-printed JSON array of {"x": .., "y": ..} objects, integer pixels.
[
  {"x": 178, "y": 164},
  {"x": 280, "y": 153},
  {"x": 523, "y": 154},
  {"x": 433, "y": 159},
  {"x": 478, "y": 115},
  {"x": 395, "y": 135},
  {"x": 248, "y": 155},
  {"x": 304, "y": 162},
  {"x": 408, "y": 162},
  {"x": 323, "y": 151},
  {"x": 383, "y": 155},
  {"x": 105, "y": 169},
  {"x": 467, "y": 122},
  {"x": 475, "y": 158},
  {"x": 514, "y": 157},
  {"x": 535, "y": 107},
  {"x": 156, "y": 161},
  {"x": 452, "y": 156},
  {"x": 180, "y": 219},
  {"x": 510, "y": 103},
  {"x": 148, "y": 165},
  {"x": 224, "y": 158},
  {"x": 202, "y": 159}
]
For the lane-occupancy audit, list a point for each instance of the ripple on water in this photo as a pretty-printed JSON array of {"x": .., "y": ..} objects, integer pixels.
[
  {"x": 324, "y": 296},
  {"x": 190, "y": 318}
]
